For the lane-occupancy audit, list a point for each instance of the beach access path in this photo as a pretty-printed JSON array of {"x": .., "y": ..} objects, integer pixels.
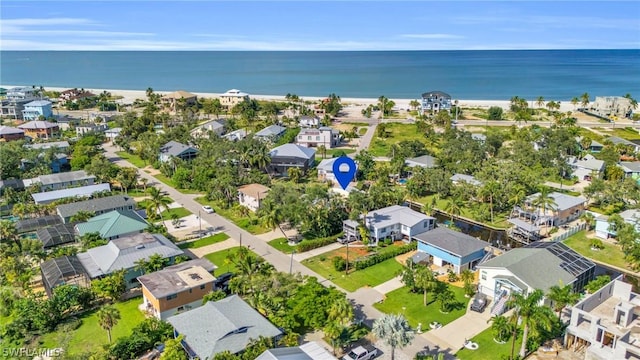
[{"x": 362, "y": 299}]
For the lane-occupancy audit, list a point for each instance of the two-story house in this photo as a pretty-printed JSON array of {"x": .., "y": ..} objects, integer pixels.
[
  {"x": 251, "y": 195},
  {"x": 612, "y": 106},
  {"x": 563, "y": 209},
  {"x": 89, "y": 128},
  {"x": 233, "y": 97},
  {"x": 271, "y": 133},
  {"x": 35, "y": 109},
  {"x": 174, "y": 100},
  {"x": 210, "y": 127},
  {"x": 38, "y": 129},
  {"x": 586, "y": 168},
  {"x": 604, "y": 325},
  {"x": 287, "y": 156},
  {"x": 434, "y": 101},
  {"x": 394, "y": 222},
  {"x": 8, "y": 133},
  {"x": 325, "y": 171},
  {"x": 309, "y": 121},
  {"x": 325, "y": 136},
  {"x": 73, "y": 95},
  {"x": 177, "y": 288},
  {"x": 16, "y": 99}
]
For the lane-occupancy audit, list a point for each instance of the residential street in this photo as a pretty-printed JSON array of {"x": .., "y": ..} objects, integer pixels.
[{"x": 362, "y": 299}]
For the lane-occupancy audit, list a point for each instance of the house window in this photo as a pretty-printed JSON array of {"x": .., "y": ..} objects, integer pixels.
[
  {"x": 202, "y": 287},
  {"x": 317, "y": 137},
  {"x": 484, "y": 275},
  {"x": 171, "y": 297}
]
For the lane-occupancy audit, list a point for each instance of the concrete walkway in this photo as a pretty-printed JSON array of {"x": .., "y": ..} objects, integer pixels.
[
  {"x": 314, "y": 252},
  {"x": 453, "y": 335},
  {"x": 223, "y": 245},
  {"x": 389, "y": 286}
]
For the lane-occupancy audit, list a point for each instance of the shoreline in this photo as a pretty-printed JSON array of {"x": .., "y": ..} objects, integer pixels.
[{"x": 129, "y": 96}]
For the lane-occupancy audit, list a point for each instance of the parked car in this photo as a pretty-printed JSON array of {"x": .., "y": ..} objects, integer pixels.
[
  {"x": 479, "y": 303},
  {"x": 365, "y": 352},
  {"x": 208, "y": 209},
  {"x": 222, "y": 281},
  {"x": 344, "y": 240}
]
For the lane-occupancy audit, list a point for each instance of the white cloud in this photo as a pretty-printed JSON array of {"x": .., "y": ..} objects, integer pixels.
[
  {"x": 45, "y": 22},
  {"x": 79, "y": 33},
  {"x": 431, "y": 36}
]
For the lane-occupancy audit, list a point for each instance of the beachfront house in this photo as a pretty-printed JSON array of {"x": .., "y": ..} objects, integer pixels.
[
  {"x": 8, "y": 133},
  {"x": 97, "y": 206},
  {"x": 393, "y": 222},
  {"x": 179, "y": 99},
  {"x": 233, "y": 97},
  {"x": 309, "y": 121},
  {"x": 605, "y": 230},
  {"x": 210, "y": 127},
  {"x": 434, "y": 101},
  {"x": 539, "y": 265},
  {"x": 452, "y": 249},
  {"x": 631, "y": 169},
  {"x": 586, "y": 168},
  {"x": 612, "y": 107},
  {"x": 287, "y": 156},
  {"x": 73, "y": 95},
  {"x": 177, "y": 150},
  {"x": 38, "y": 129},
  {"x": 16, "y": 99},
  {"x": 124, "y": 254},
  {"x": 229, "y": 325},
  {"x": 36, "y": 109},
  {"x": 251, "y": 195},
  {"x": 604, "y": 325},
  {"x": 113, "y": 224},
  {"x": 325, "y": 136},
  {"x": 271, "y": 133},
  {"x": 177, "y": 288},
  {"x": 50, "y": 196},
  {"x": 565, "y": 208}
]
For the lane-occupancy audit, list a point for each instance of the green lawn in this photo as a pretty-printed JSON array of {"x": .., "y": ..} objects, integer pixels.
[
  {"x": 414, "y": 309},
  {"x": 371, "y": 276},
  {"x": 133, "y": 159},
  {"x": 362, "y": 131},
  {"x": 181, "y": 212},
  {"x": 330, "y": 152},
  {"x": 488, "y": 349},
  {"x": 626, "y": 133},
  {"x": 219, "y": 259},
  {"x": 500, "y": 219},
  {"x": 90, "y": 336},
  {"x": 205, "y": 241},
  {"x": 170, "y": 182},
  {"x": 396, "y": 133},
  {"x": 282, "y": 244},
  {"x": 251, "y": 223},
  {"x": 611, "y": 254}
]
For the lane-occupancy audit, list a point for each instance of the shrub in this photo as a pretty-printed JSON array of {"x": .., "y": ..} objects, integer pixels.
[
  {"x": 451, "y": 276},
  {"x": 306, "y": 245},
  {"x": 373, "y": 259},
  {"x": 597, "y": 244},
  {"x": 495, "y": 113},
  {"x": 339, "y": 264}
]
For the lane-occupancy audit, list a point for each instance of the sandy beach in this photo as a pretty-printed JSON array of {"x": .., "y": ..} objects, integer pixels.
[{"x": 129, "y": 96}]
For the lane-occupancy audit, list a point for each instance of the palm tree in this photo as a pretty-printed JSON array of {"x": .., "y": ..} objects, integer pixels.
[
  {"x": 294, "y": 174},
  {"x": 489, "y": 190},
  {"x": 394, "y": 330},
  {"x": 531, "y": 313},
  {"x": 540, "y": 101},
  {"x": 501, "y": 327},
  {"x": 425, "y": 280},
  {"x": 584, "y": 100},
  {"x": 414, "y": 104},
  {"x": 158, "y": 201},
  {"x": 562, "y": 295},
  {"x": 545, "y": 201},
  {"x": 575, "y": 101},
  {"x": 447, "y": 298},
  {"x": 108, "y": 317},
  {"x": 340, "y": 311},
  {"x": 271, "y": 216},
  {"x": 454, "y": 206},
  {"x": 82, "y": 216},
  {"x": 467, "y": 277},
  {"x": 323, "y": 150},
  {"x": 588, "y": 219}
]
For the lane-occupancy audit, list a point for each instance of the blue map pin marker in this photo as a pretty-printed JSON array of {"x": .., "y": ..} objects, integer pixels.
[{"x": 344, "y": 169}]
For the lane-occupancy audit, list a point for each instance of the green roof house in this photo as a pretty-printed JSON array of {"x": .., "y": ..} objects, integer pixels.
[{"x": 113, "y": 224}]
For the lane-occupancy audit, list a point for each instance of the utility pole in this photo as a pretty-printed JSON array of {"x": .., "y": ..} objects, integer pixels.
[
  {"x": 200, "y": 222},
  {"x": 240, "y": 239},
  {"x": 291, "y": 262},
  {"x": 346, "y": 267}
]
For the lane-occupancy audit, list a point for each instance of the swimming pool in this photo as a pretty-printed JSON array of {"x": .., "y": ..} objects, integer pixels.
[
  {"x": 402, "y": 181},
  {"x": 11, "y": 218}
]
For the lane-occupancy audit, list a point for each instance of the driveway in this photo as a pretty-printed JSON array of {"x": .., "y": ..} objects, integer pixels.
[{"x": 453, "y": 335}]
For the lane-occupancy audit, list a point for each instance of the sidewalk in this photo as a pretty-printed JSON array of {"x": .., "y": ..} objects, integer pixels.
[
  {"x": 389, "y": 286},
  {"x": 223, "y": 245},
  {"x": 314, "y": 252}
]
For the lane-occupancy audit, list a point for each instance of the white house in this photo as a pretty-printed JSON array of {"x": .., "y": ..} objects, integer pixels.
[
  {"x": 587, "y": 167},
  {"x": 315, "y": 137},
  {"x": 251, "y": 195},
  {"x": 539, "y": 265},
  {"x": 395, "y": 222},
  {"x": 309, "y": 121},
  {"x": 325, "y": 171},
  {"x": 213, "y": 126}
]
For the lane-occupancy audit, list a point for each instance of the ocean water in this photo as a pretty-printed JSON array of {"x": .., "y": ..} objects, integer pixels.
[{"x": 489, "y": 75}]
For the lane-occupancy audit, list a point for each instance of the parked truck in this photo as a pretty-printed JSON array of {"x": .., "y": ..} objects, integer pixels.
[{"x": 365, "y": 352}]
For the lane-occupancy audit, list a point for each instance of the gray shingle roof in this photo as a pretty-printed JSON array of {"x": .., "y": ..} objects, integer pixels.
[
  {"x": 618, "y": 140},
  {"x": 225, "y": 325},
  {"x": 452, "y": 241},
  {"x": 7, "y": 130},
  {"x": 271, "y": 130},
  {"x": 37, "y": 124},
  {"x": 174, "y": 148},
  {"x": 49, "y": 196},
  {"x": 124, "y": 252},
  {"x": 48, "y": 145},
  {"x": 293, "y": 150},
  {"x": 96, "y": 205},
  {"x": 466, "y": 178},
  {"x": 64, "y": 177},
  {"x": 309, "y": 351},
  {"x": 426, "y": 161},
  {"x": 395, "y": 214},
  {"x": 630, "y": 166},
  {"x": 563, "y": 201},
  {"x": 588, "y": 162}
]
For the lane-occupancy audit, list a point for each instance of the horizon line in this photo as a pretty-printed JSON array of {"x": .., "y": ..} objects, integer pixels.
[{"x": 307, "y": 50}]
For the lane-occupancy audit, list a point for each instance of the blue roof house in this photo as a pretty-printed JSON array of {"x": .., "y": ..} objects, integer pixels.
[
  {"x": 451, "y": 248},
  {"x": 37, "y": 108}
]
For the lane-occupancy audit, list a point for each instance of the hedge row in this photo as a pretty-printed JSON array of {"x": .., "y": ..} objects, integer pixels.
[
  {"x": 306, "y": 245},
  {"x": 371, "y": 260}
]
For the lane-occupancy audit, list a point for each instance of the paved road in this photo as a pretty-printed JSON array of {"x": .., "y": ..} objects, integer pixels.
[{"x": 362, "y": 299}]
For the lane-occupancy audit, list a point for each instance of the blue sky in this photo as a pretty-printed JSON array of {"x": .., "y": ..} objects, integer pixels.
[{"x": 319, "y": 25}]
